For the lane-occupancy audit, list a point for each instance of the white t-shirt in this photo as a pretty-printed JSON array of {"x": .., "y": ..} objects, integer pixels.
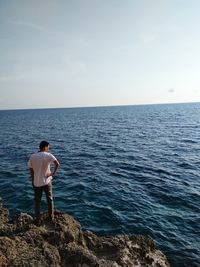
[{"x": 40, "y": 163}]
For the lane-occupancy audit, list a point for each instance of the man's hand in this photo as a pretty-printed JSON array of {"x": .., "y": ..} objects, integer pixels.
[
  {"x": 56, "y": 165},
  {"x": 50, "y": 174}
]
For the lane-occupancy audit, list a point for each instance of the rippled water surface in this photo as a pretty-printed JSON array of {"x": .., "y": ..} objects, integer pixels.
[{"x": 132, "y": 169}]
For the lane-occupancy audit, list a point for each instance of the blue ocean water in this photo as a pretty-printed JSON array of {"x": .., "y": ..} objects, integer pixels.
[{"x": 129, "y": 169}]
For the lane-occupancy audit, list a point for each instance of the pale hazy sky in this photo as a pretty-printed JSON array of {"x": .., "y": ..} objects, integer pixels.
[{"x": 65, "y": 53}]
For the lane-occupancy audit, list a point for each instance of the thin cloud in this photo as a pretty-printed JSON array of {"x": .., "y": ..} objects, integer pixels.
[
  {"x": 7, "y": 78},
  {"x": 32, "y": 26}
]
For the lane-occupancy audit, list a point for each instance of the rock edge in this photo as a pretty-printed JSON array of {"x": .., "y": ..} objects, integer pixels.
[{"x": 64, "y": 243}]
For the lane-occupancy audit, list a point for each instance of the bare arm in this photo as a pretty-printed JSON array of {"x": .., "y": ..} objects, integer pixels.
[
  {"x": 32, "y": 176},
  {"x": 56, "y": 165}
]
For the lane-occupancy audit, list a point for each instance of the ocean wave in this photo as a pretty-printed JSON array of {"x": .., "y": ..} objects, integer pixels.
[{"x": 131, "y": 170}]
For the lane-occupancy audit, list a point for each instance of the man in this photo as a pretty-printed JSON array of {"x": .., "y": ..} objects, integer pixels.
[{"x": 39, "y": 164}]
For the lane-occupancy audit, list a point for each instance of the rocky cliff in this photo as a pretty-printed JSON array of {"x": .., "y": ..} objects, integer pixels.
[{"x": 64, "y": 243}]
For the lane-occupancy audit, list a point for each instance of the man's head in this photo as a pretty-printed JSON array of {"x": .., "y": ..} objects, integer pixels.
[{"x": 44, "y": 146}]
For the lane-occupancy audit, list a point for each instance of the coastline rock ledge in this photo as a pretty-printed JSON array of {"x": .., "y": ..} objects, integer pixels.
[{"x": 64, "y": 243}]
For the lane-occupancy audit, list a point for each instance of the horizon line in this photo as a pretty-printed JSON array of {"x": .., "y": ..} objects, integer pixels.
[{"x": 101, "y": 106}]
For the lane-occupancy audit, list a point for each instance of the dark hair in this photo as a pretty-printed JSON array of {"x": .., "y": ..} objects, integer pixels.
[{"x": 43, "y": 144}]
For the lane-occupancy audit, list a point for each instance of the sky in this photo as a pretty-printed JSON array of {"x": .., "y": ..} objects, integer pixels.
[{"x": 80, "y": 53}]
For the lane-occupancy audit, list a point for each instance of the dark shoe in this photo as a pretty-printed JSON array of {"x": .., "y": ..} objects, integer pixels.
[
  {"x": 50, "y": 219},
  {"x": 37, "y": 222}
]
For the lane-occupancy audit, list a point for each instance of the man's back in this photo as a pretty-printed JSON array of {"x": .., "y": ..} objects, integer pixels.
[{"x": 40, "y": 163}]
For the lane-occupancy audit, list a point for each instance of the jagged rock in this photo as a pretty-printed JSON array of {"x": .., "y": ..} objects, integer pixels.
[
  {"x": 4, "y": 214},
  {"x": 63, "y": 243}
]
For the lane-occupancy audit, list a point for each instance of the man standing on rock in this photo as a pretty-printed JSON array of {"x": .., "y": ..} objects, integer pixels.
[{"x": 39, "y": 164}]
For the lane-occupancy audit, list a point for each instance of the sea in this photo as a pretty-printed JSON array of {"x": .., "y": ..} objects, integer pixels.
[{"x": 131, "y": 170}]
